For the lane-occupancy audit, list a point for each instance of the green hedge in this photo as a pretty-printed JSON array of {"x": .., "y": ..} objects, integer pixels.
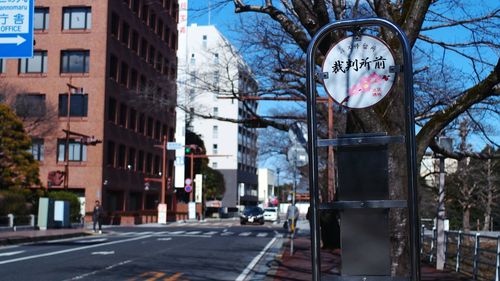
[{"x": 13, "y": 202}]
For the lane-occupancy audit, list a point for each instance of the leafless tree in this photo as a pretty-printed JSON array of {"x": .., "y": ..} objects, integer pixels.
[
  {"x": 282, "y": 31},
  {"x": 38, "y": 116}
]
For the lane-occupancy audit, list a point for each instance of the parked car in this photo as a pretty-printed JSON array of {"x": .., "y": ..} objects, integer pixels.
[
  {"x": 271, "y": 214},
  {"x": 252, "y": 214}
]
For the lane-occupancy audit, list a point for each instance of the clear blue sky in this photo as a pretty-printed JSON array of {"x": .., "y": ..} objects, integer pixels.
[{"x": 224, "y": 18}]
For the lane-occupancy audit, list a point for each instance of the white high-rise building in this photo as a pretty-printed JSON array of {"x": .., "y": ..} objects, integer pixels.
[{"x": 214, "y": 76}]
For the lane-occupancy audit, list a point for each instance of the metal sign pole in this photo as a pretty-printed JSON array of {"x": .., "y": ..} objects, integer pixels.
[{"x": 409, "y": 139}]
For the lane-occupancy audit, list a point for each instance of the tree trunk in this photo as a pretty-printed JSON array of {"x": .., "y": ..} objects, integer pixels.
[{"x": 466, "y": 219}]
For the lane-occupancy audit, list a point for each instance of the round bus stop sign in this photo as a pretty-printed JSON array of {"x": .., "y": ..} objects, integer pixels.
[
  {"x": 188, "y": 188},
  {"x": 359, "y": 71}
]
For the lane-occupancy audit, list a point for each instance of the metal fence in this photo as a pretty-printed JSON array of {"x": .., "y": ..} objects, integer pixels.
[
  {"x": 11, "y": 222},
  {"x": 474, "y": 254}
]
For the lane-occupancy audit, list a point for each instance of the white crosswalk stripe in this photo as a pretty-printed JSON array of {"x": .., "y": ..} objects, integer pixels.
[{"x": 196, "y": 233}]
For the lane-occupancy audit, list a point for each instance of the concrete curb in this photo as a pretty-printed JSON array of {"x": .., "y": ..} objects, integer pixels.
[{"x": 24, "y": 239}]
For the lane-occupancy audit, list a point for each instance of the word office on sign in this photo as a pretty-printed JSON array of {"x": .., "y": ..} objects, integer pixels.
[{"x": 16, "y": 28}]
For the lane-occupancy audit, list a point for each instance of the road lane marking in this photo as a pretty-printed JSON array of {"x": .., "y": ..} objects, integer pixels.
[
  {"x": 227, "y": 233},
  {"x": 177, "y": 232},
  {"x": 92, "y": 240},
  {"x": 165, "y": 239},
  {"x": 262, "y": 234},
  {"x": 210, "y": 232},
  {"x": 97, "y": 271},
  {"x": 104, "y": 253},
  {"x": 193, "y": 232},
  {"x": 11, "y": 253},
  {"x": 245, "y": 234},
  {"x": 74, "y": 249},
  {"x": 255, "y": 260}
]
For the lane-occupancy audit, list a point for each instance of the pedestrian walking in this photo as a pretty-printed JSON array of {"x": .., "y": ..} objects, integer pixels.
[
  {"x": 97, "y": 216},
  {"x": 292, "y": 215}
]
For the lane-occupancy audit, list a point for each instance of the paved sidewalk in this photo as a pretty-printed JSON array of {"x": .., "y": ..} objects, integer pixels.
[
  {"x": 26, "y": 236},
  {"x": 297, "y": 267}
]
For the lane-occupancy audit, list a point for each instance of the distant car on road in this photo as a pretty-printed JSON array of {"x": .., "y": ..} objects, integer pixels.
[
  {"x": 252, "y": 215},
  {"x": 271, "y": 214}
]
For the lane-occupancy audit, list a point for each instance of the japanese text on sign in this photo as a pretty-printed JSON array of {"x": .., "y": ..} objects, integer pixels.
[
  {"x": 358, "y": 70},
  {"x": 14, "y": 16}
]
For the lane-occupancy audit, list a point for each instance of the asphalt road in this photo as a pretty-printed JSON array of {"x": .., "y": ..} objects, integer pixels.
[{"x": 186, "y": 252}]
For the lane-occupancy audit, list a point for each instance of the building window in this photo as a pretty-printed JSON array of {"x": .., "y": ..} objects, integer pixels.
[
  {"x": 205, "y": 42},
  {"x": 77, "y": 18},
  {"x": 121, "y": 156},
  {"x": 157, "y": 134},
  {"x": 142, "y": 120},
  {"x": 152, "y": 21},
  {"x": 75, "y": 61},
  {"x": 144, "y": 13},
  {"x": 149, "y": 127},
  {"x": 112, "y": 110},
  {"x": 140, "y": 161},
  {"x": 144, "y": 48},
  {"x": 110, "y": 156},
  {"x": 41, "y": 19},
  {"x": 2, "y": 66},
  {"x": 131, "y": 159},
  {"x": 77, "y": 150},
  {"x": 216, "y": 111},
  {"x": 149, "y": 163},
  {"x": 115, "y": 21},
  {"x": 113, "y": 67},
  {"x": 158, "y": 62},
  {"x": 125, "y": 33},
  {"x": 30, "y": 105},
  {"x": 216, "y": 58},
  {"x": 193, "y": 59},
  {"x": 134, "y": 43},
  {"x": 37, "y": 64},
  {"x": 124, "y": 74},
  {"x": 215, "y": 132},
  {"x": 215, "y": 148},
  {"x": 159, "y": 29},
  {"x": 192, "y": 77},
  {"x": 165, "y": 67},
  {"x": 78, "y": 105},
  {"x": 135, "y": 6},
  {"x": 122, "y": 120},
  {"x": 132, "y": 119},
  {"x": 37, "y": 149},
  {"x": 214, "y": 165},
  {"x": 156, "y": 165},
  {"x": 151, "y": 55},
  {"x": 133, "y": 79}
]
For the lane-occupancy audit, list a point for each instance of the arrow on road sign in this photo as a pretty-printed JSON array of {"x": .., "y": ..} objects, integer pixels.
[{"x": 12, "y": 40}]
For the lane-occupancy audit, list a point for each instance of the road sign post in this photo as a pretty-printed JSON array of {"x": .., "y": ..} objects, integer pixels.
[{"x": 16, "y": 29}]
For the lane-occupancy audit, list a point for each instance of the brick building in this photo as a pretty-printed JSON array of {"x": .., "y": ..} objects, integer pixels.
[{"x": 123, "y": 54}]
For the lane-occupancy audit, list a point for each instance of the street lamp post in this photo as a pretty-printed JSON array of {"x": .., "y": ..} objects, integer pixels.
[{"x": 447, "y": 144}]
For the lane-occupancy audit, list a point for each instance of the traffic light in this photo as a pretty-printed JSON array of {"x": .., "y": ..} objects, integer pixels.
[
  {"x": 90, "y": 140},
  {"x": 187, "y": 150}
]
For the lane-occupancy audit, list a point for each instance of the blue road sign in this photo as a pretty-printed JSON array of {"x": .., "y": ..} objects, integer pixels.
[{"x": 16, "y": 28}]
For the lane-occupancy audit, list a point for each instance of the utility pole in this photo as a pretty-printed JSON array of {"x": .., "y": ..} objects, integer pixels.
[{"x": 77, "y": 90}]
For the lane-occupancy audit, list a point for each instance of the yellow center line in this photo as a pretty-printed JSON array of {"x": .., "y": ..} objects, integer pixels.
[{"x": 173, "y": 277}]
